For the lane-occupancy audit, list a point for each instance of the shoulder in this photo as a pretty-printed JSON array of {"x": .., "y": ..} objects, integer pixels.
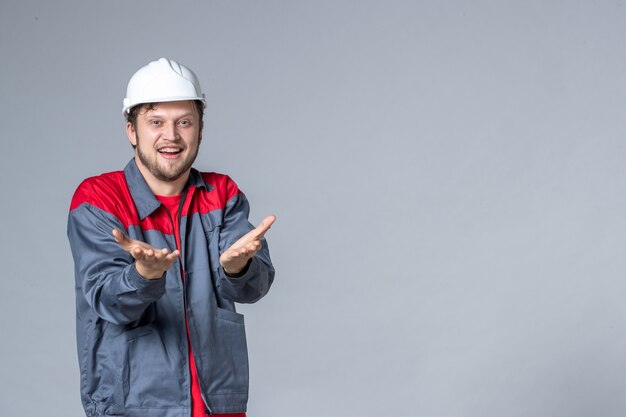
[
  {"x": 101, "y": 191},
  {"x": 218, "y": 191},
  {"x": 221, "y": 184}
]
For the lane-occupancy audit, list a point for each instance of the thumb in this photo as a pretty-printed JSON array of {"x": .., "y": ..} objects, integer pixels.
[
  {"x": 265, "y": 225},
  {"x": 119, "y": 236}
]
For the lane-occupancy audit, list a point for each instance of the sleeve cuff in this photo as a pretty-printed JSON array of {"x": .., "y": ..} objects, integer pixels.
[
  {"x": 248, "y": 273},
  {"x": 147, "y": 289}
]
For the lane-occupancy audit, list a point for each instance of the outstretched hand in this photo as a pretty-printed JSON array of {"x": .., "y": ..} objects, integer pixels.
[
  {"x": 235, "y": 258},
  {"x": 151, "y": 263}
]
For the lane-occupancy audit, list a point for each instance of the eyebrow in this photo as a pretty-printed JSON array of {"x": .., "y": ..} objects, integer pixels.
[{"x": 155, "y": 113}]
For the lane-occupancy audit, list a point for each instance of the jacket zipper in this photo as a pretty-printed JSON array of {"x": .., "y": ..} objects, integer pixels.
[
  {"x": 207, "y": 409},
  {"x": 184, "y": 288}
]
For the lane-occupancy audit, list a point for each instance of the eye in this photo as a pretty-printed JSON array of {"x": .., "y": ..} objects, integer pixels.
[
  {"x": 155, "y": 122},
  {"x": 184, "y": 123}
]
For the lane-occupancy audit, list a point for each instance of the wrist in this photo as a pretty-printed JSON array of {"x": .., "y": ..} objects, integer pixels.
[
  {"x": 148, "y": 273},
  {"x": 232, "y": 273}
]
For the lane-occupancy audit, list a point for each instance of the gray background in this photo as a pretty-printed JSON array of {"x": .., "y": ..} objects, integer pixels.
[{"x": 448, "y": 178}]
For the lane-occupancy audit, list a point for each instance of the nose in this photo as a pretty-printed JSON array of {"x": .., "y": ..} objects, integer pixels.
[{"x": 170, "y": 132}]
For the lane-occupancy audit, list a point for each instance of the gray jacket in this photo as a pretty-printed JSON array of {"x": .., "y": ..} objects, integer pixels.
[{"x": 131, "y": 332}]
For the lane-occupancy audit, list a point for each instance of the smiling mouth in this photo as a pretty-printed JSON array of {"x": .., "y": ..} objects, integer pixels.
[{"x": 170, "y": 151}]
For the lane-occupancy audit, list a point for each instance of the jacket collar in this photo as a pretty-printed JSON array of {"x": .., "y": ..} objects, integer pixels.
[{"x": 143, "y": 198}]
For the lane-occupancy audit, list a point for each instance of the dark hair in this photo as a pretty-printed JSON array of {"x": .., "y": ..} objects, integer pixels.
[{"x": 131, "y": 117}]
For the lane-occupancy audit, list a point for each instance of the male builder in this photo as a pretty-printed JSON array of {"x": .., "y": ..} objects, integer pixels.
[{"x": 162, "y": 252}]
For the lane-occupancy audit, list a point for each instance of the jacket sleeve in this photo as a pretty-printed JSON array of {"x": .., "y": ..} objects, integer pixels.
[
  {"x": 106, "y": 279},
  {"x": 255, "y": 282}
]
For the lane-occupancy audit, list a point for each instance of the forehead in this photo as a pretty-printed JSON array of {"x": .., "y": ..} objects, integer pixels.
[{"x": 169, "y": 108}]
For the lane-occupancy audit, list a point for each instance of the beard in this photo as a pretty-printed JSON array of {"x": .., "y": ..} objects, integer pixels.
[{"x": 166, "y": 171}]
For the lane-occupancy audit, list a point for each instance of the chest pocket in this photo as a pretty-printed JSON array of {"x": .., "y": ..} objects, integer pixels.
[{"x": 212, "y": 227}]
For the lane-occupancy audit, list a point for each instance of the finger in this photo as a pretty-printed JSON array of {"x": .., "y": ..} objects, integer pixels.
[
  {"x": 229, "y": 256},
  {"x": 160, "y": 255},
  {"x": 235, "y": 254},
  {"x": 172, "y": 256},
  {"x": 145, "y": 254},
  {"x": 261, "y": 229},
  {"x": 137, "y": 253},
  {"x": 265, "y": 224},
  {"x": 250, "y": 249},
  {"x": 119, "y": 236}
]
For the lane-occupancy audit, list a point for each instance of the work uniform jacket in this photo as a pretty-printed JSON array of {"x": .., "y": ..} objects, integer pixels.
[{"x": 131, "y": 332}]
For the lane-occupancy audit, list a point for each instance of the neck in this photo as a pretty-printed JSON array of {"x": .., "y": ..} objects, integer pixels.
[{"x": 160, "y": 187}]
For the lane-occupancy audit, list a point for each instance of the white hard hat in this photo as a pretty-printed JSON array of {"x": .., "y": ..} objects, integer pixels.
[{"x": 162, "y": 80}]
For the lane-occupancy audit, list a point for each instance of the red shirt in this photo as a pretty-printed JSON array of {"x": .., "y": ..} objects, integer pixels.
[{"x": 172, "y": 204}]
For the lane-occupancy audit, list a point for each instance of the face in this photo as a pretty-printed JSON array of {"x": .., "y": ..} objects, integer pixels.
[{"x": 166, "y": 140}]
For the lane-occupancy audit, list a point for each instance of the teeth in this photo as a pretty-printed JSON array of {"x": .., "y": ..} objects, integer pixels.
[{"x": 169, "y": 150}]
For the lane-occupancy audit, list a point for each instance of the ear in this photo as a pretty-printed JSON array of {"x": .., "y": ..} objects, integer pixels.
[
  {"x": 200, "y": 137},
  {"x": 130, "y": 132}
]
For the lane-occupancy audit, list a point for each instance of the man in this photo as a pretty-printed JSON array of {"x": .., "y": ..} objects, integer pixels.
[{"x": 162, "y": 252}]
